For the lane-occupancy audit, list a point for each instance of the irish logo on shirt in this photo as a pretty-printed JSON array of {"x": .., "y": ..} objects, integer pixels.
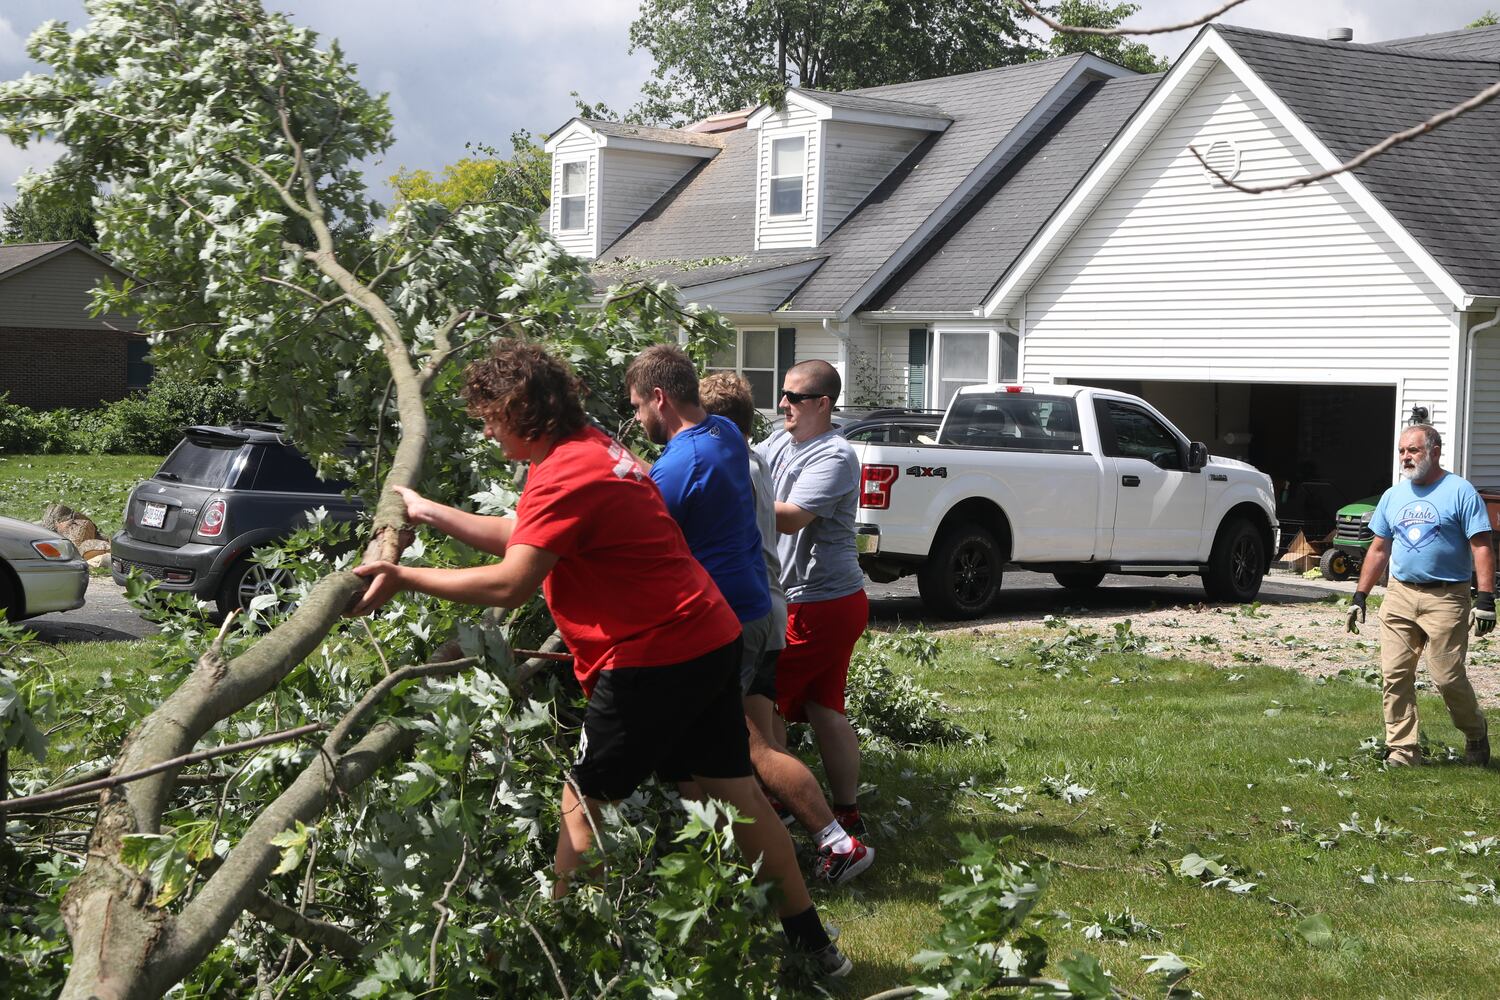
[
  {"x": 1417, "y": 526},
  {"x": 625, "y": 464}
]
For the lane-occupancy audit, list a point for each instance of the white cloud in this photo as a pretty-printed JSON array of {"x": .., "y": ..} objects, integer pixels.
[{"x": 15, "y": 162}]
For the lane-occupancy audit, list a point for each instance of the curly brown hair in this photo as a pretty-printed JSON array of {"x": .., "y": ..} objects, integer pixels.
[
  {"x": 528, "y": 390},
  {"x": 728, "y": 395}
]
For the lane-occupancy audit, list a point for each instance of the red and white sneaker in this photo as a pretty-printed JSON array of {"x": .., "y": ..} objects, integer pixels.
[
  {"x": 851, "y": 821},
  {"x": 836, "y": 869}
]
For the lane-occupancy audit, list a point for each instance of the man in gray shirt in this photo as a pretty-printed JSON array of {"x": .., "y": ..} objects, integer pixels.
[{"x": 815, "y": 476}]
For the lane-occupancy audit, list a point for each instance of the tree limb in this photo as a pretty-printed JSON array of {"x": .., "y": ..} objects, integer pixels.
[
  {"x": 1069, "y": 29},
  {"x": 304, "y": 928}
]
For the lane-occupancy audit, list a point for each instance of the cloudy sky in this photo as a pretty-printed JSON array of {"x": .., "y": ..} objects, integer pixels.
[{"x": 476, "y": 70}]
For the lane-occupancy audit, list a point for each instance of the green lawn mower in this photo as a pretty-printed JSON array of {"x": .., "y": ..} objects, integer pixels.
[{"x": 1351, "y": 540}]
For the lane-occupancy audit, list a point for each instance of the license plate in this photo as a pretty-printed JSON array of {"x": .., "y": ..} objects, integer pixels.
[{"x": 154, "y": 516}]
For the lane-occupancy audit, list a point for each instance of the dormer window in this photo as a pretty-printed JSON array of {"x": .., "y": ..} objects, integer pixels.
[
  {"x": 788, "y": 171},
  {"x": 573, "y": 200}
]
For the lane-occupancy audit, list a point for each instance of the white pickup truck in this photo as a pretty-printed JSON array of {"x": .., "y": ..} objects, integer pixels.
[{"x": 1060, "y": 479}]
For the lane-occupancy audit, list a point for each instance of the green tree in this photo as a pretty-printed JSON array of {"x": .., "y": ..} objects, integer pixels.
[
  {"x": 1117, "y": 49},
  {"x": 1488, "y": 19},
  {"x": 235, "y": 205},
  {"x": 714, "y": 56},
  {"x": 48, "y": 215},
  {"x": 524, "y": 180}
]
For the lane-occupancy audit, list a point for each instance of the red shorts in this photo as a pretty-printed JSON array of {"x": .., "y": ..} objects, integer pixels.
[{"x": 820, "y": 635}]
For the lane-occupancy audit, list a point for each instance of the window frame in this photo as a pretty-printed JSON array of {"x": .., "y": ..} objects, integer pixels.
[
  {"x": 1112, "y": 447},
  {"x": 562, "y": 174},
  {"x": 800, "y": 175},
  {"x": 739, "y": 362},
  {"x": 936, "y": 364}
]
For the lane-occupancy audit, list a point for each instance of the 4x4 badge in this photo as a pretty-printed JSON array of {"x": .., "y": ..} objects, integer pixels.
[{"x": 925, "y": 471}]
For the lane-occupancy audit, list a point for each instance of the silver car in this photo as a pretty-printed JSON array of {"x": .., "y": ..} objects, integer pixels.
[{"x": 40, "y": 571}]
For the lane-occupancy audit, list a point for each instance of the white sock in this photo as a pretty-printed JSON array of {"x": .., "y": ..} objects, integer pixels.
[{"x": 833, "y": 838}]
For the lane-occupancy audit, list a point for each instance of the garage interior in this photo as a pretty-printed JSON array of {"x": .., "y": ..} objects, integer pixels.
[{"x": 1322, "y": 445}]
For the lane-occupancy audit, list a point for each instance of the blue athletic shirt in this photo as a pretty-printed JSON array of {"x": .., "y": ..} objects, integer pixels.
[
  {"x": 1430, "y": 527},
  {"x": 704, "y": 475}
]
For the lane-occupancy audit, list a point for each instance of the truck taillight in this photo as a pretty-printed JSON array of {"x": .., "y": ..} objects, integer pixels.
[
  {"x": 211, "y": 521},
  {"x": 875, "y": 482}
]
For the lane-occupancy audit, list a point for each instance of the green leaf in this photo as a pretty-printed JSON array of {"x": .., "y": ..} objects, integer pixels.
[
  {"x": 293, "y": 844},
  {"x": 1086, "y": 977},
  {"x": 1317, "y": 931}
]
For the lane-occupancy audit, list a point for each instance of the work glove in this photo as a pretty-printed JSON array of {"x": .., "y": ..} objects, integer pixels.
[
  {"x": 1357, "y": 611},
  {"x": 1484, "y": 613}
]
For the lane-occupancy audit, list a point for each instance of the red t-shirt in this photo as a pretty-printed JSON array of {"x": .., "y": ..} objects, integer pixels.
[{"x": 625, "y": 592}]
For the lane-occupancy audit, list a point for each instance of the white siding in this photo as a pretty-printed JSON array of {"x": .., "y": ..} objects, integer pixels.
[
  {"x": 1174, "y": 278},
  {"x": 55, "y": 295},
  {"x": 856, "y": 158},
  {"x": 816, "y": 342},
  {"x": 783, "y": 231},
  {"x": 630, "y": 183},
  {"x": 893, "y": 351},
  {"x": 1484, "y": 412},
  {"x": 582, "y": 242}
]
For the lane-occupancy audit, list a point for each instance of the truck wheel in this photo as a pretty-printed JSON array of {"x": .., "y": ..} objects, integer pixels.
[
  {"x": 246, "y": 581},
  {"x": 1336, "y": 565},
  {"x": 961, "y": 577},
  {"x": 1080, "y": 579},
  {"x": 1237, "y": 563}
]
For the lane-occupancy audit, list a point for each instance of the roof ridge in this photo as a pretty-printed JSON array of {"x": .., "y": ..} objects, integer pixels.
[
  {"x": 867, "y": 91},
  {"x": 1377, "y": 48},
  {"x": 1466, "y": 32}
]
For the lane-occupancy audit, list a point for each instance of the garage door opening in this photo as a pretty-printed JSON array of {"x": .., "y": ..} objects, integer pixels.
[{"x": 1323, "y": 446}]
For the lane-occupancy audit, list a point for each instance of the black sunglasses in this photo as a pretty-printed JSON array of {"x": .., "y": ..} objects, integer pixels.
[{"x": 801, "y": 397}]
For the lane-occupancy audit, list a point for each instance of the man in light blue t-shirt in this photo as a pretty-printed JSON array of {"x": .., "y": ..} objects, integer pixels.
[{"x": 1433, "y": 530}]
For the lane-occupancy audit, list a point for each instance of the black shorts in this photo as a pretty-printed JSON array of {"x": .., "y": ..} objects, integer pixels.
[{"x": 680, "y": 721}]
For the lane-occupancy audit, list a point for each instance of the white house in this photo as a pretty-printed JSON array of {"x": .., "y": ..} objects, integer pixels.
[{"x": 1050, "y": 221}]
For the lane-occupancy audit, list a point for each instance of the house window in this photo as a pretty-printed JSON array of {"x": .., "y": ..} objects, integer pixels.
[
  {"x": 788, "y": 171},
  {"x": 753, "y": 355},
  {"x": 573, "y": 200},
  {"x": 138, "y": 370},
  {"x": 962, "y": 359}
]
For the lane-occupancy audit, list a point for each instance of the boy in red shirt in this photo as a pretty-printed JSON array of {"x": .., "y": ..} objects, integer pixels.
[{"x": 655, "y": 645}]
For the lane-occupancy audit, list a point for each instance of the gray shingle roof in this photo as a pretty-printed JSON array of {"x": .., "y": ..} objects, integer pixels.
[
  {"x": 855, "y": 101},
  {"x": 653, "y": 134},
  {"x": 960, "y": 266},
  {"x": 17, "y": 254},
  {"x": 985, "y": 107},
  {"x": 709, "y": 213},
  {"x": 1443, "y": 187},
  {"x": 1472, "y": 43},
  {"x": 686, "y": 273}
]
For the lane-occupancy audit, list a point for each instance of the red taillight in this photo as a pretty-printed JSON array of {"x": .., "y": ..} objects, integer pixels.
[
  {"x": 875, "y": 482},
  {"x": 1017, "y": 388},
  {"x": 211, "y": 521}
]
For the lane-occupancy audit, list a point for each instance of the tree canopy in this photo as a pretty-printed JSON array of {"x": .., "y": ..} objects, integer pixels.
[
  {"x": 45, "y": 216},
  {"x": 1116, "y": 48},
  {"x": 523, "y": 180},
  {"x": 714, "y": 56}
]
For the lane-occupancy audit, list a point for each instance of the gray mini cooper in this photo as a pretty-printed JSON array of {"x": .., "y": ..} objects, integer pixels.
[{"x": 222, "y": 492}]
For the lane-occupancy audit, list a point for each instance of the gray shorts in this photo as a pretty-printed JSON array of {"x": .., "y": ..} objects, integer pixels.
[{"x": 761, "y": 635}]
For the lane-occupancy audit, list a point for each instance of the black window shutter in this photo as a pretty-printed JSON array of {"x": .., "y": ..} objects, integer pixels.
[
  {"x": 916, "y": 368},
  {"x": 786, "y": 354}
]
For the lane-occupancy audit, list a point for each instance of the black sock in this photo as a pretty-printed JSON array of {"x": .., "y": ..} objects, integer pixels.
[
  {"x": 805, "y": 931},
  {"x": 851, "y": 807}
]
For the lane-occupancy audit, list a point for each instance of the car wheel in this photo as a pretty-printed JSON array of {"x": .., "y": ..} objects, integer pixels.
[
  {"x": 10, "y": 597},
  {"x": 247, "y": 580},
  {"x": 961, "y": 577},
  {"x": 1237, "y": 563},
  {"x": 1336, "y": 565},
  {"x": 1080, "y": 579}
]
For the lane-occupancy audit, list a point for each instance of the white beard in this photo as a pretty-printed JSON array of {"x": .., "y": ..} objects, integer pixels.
[{"x": 1418, "y": 470}]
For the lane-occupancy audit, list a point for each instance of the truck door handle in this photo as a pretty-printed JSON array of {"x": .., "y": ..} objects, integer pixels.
[{"x": 1130, "y": 480}]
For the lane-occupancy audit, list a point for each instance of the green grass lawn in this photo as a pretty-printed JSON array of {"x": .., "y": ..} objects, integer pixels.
[
  {"x": 96, "y": 485},
  {"x": 1259, "y": 766}
]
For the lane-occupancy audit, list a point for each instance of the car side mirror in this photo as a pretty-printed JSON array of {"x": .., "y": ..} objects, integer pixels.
[{"x": 1197, "y": 456}]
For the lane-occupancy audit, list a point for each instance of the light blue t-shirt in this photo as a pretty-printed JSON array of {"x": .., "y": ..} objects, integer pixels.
[{"x": 1430, "y": 527}]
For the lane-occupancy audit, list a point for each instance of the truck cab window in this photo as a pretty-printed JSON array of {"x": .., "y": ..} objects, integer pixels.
[{"x": 1140, "y": 435}]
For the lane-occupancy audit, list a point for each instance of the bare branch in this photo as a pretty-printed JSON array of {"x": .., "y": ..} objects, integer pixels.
[
  {"x": 380, "y": 690},
  {"x": 322, "y": 303},
  {"x": 441, "y": 905},
  {"x": 73, "y": 791},
  {"x": 1390, "y": 142},
  {"x": 1164, "y": 29},
  {"x": 304, "y": 928}
]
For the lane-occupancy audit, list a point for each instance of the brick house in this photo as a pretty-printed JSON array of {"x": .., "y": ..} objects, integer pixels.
[{"x": 53, "y": 353}]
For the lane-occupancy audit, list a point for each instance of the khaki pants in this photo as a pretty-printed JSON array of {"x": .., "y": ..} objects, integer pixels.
[{"x": 1433, "y": 619}]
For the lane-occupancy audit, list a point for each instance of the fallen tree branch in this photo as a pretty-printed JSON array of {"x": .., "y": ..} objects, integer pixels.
[
  {"x": 1070, "y": 29},
  {"x": 309, "y": 930},
  {"x": 73, "y": 791}
]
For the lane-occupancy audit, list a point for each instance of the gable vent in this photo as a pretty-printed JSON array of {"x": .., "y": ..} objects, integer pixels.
[{"x": 1223, "y": 156}]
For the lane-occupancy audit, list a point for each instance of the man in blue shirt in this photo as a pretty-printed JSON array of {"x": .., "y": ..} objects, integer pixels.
[{"x": 1433, "y": 530}]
